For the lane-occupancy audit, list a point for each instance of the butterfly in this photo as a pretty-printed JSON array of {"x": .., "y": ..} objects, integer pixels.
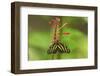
[{"x": 58, "y": 47}]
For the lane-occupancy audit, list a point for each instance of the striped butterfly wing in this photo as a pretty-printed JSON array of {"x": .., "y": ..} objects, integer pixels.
[{"x": 58, "y": 48}]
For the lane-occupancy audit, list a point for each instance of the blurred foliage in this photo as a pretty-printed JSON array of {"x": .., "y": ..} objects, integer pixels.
[{"x": 40, "y": 37}]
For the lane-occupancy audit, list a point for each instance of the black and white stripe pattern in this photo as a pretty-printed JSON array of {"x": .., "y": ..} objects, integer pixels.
[{"x": 58, "y": 48}]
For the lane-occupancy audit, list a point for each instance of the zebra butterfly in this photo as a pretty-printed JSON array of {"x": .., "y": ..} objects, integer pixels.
[{"x": 58, "y": 47}]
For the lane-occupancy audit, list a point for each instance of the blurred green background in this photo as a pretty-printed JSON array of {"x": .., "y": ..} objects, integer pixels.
[{"x": 40, "y": 37}]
